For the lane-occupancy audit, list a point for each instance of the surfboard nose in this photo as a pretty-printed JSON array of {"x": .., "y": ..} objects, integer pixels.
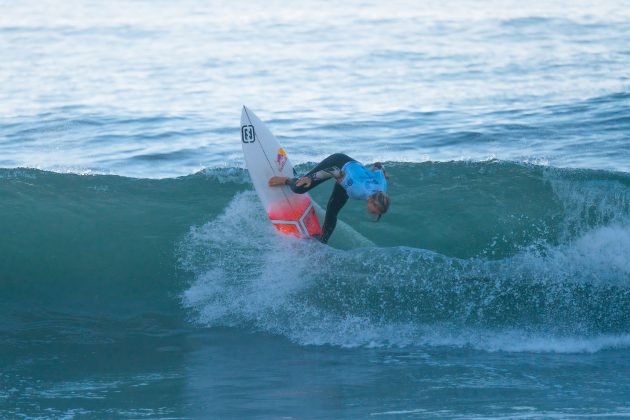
[
  {"x": 248, "y": 117},
  {"x": 244, "y": 113},
  {"x": 245, "y": 116}
]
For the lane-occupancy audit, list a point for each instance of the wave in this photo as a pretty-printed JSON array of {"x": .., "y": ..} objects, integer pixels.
[
  {"x": 497, "y": 256},
  {"x": 563, "y": 288},
  {"x": 571, "y": 298}
]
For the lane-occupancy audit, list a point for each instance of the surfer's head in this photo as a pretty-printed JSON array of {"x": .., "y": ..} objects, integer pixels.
[{"x": 378, "y": 204}]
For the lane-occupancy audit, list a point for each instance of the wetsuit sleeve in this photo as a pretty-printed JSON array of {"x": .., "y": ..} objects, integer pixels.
[
  {"x": 327, "y": 173},
  {"x": 316, "y": 177}
]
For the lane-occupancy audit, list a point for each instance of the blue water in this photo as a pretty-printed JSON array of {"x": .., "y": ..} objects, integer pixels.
[{"x": 139, "y": 277}]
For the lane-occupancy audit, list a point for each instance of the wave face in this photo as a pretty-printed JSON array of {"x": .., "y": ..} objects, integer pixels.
[
  {"x": 99, "y": 243},
  {"x": 493, "y": 255}
]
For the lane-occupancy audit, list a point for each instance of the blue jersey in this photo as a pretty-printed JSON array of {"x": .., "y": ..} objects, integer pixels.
[{"x": 360, "y": 182}]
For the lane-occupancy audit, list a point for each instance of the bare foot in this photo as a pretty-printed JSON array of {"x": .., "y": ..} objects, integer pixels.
[{"x": 277, "y": 180}]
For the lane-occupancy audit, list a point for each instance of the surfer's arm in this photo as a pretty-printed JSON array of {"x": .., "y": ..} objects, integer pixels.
[
  {"x": 321, "y": 175},
  {"x": 327, "y": 173}
]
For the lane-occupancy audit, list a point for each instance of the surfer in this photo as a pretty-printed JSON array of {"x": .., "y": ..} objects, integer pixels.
[{"x": 353, "y": 181}]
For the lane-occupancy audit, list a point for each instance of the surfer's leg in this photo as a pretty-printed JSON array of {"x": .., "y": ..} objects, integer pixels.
[
  {"x": 337, "y": 200},
  {"x": 337, "y": 159},
  {"x": 334, "y": 160}
]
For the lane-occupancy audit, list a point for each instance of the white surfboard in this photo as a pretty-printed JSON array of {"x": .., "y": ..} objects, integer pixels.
[{"x": 289, "y": 212}]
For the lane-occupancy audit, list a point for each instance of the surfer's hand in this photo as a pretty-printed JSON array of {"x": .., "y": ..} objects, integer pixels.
[
  {"x": 378, "y": 166},
  {"x": 304, "y": 181}
]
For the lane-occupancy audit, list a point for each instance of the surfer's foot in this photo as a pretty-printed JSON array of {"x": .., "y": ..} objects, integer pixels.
[{"x": 277, "y": 180}]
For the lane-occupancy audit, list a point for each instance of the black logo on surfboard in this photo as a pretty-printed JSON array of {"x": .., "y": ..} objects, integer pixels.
[{"x": 248, "y": 135}]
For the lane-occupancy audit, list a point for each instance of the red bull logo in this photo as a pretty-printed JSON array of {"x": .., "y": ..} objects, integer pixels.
[{"x": 281, "y": 160}]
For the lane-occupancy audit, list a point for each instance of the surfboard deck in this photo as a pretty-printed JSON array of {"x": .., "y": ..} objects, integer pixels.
[{"x": 290, "y": 213}]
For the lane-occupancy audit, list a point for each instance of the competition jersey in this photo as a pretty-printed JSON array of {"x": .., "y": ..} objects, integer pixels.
[{"x": 360, "y": 182}]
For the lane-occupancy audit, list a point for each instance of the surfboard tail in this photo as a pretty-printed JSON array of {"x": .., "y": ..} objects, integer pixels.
[{"x": 300, "y": 221}]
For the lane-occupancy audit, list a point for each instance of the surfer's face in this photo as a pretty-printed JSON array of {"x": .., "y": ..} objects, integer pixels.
[{"x": 373, "y": 210}]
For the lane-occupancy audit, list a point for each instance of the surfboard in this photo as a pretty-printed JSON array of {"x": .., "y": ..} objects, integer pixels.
[{"x": 290, "y": 213}]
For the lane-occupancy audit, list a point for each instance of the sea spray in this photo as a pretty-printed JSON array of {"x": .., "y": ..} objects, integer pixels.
[{"x": 563, "y": 293}]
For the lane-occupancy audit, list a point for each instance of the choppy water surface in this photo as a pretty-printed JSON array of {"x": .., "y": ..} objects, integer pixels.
[{"x": 140, "y": 278}]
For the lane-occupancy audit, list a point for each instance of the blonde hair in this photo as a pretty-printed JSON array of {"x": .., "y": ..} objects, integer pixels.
[{"x": 381, "y": 201}]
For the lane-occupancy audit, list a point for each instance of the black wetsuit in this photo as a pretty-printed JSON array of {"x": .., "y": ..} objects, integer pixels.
[{"x": 338, "y": 197}]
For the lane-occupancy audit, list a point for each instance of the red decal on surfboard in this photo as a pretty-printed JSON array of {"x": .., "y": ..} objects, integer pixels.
[
  {"x": 299, "y": 221},
  {"x": 281, "y": 160}
]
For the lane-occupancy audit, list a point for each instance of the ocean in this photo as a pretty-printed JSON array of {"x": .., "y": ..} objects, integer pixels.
[{"x": 140, "y": 277}]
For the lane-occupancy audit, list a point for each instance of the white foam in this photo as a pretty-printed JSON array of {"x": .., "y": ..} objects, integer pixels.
[
  {"x": 247, "y": 275},
  {"x": 599, "y": 257},
  {"x": 244, "y": 267},
  {"x": 228, "y": 174}
]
